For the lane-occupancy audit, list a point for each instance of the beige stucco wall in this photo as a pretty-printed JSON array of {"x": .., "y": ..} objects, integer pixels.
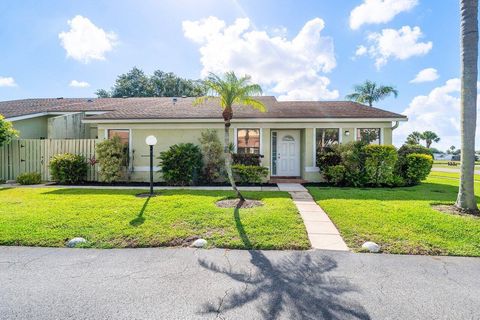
[
  {"x": 34, "y": 128},
  {"x": 173, "y": 133}
]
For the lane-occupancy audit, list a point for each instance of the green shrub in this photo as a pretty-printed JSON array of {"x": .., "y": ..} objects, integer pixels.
[
  {"x": 111, "y": 154},
  {"x": 380, "y": 164},
  {"x": 328, "y": 156},
  {"x": 181, "y": 164},
  {"x": 353, "y": 158},
  {"x": 247, "y": 159},
  {"x": 335, "y": 174},
  {"x": 404, "y": 151},
  {"x": 212, "y": 155},
  {"x": 68, "y": 168},
  {"x": 29, "y": 178},
  {"x": 249, "y": 174},
  {"x": 418, "y": 167}
]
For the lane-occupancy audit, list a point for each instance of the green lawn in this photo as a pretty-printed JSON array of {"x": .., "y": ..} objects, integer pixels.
[
  {"x": 450, "y": 175},
  {"x": 401, "y": 220},
  {"x": 118, "y": 219}
]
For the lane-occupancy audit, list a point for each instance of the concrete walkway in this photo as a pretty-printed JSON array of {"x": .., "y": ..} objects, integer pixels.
[{"x": 322, "y": 233}]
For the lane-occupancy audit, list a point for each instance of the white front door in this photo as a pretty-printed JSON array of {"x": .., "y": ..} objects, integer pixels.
[{"x": 288, "y": 153}]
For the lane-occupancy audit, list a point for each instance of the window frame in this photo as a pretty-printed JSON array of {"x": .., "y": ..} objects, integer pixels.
[
  {"x": 380, "y": 135},
  {"x": 316, "y": 130},
  {"x": 129, "y": 144},
  {"x": 260, "y": 135}
]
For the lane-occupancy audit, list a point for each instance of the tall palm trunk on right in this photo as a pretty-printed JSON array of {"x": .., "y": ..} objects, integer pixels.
[{"x": 469, "y": 55}]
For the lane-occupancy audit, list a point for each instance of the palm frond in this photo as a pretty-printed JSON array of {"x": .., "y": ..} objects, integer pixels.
[{"x": 254, "y": 103}]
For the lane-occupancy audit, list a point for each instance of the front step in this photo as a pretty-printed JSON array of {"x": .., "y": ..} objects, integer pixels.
[{"x": 287, "y": 180}]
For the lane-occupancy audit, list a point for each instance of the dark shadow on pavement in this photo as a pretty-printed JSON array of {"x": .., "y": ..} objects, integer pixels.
[{"x": 298, "y": 286}]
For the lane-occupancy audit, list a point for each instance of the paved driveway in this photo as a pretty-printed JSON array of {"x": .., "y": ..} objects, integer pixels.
[{"x": 45, "y": 283}]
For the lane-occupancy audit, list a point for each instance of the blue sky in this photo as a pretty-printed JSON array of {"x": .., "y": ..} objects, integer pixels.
[{"x": 191, "y": 37}]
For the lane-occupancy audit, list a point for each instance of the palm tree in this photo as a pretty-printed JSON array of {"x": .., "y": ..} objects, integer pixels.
[
  {"x": 230, "y": 91},
  {"x": 468, "y": 109},
  {"x": 414, "y": 138},
  {"x": 429, "y": 137},
  {"x": 369, "y": 92}
]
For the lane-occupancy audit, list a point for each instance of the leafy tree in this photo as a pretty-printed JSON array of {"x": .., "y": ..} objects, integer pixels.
[
  {"x": 370, "y": 92},
  {"x": 136, "y": 83},
  {"x": 229, "y": 90},
  {"x": 429, "y": 137},
  {"x": 167, "y": 84},
  {"x": 451, "y": 150},
  {"x": 7, "y": 133},
  {"x": 102, "y": 93},
  {"x": 468, "y": 106},
  {"x": 414, "y": 138}
]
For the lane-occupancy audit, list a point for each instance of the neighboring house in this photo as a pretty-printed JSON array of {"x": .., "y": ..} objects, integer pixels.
[
  {"x": 287, "y": 134},
  {"x": 442, "y": 156}
]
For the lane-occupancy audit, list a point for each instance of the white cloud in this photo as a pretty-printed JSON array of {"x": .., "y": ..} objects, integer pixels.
[
  {"x": 378, "y": 11},
  {"x": 439, "y": 111},
  {"x": 399, "y": 44},
  {"x": 426, "y": 75},
  {"x": 292, "y": 69},
  {"x": 79, "y": 84},
  {"x": 7, "y": 82},
  {"x": 361, "y": 50},
  {"x": 85, "y": 41}
]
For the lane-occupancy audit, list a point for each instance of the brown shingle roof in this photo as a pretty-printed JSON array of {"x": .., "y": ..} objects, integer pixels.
[{"x": 183, "y": 108}]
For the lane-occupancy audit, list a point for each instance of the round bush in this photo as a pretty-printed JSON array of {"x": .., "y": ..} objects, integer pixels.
[
  {"x": 181, "y": 164},
  {"x": 418, "y": 167},
  {"x": 68, "y": 168}
]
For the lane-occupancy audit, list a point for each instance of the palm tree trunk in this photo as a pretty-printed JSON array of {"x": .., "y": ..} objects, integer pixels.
[
  {"x": 469, "y": 55},
  {"x": 228, "y": 162}
]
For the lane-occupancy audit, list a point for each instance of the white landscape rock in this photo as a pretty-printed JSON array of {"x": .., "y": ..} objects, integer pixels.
[
  {"x": 371, "y": 246},
  {"x": 73, "y": 242},
  {"x": 199, "y": 243}
]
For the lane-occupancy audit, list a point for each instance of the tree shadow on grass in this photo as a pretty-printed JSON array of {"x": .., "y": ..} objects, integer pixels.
[
  {"x": 298, "y": 285},
  {"x": 140, "y": 219}
]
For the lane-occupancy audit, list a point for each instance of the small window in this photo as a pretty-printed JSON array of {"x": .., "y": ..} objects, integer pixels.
[
  {"x": 327, "y": 137},
  {"x": 288, "y": 138},
  {"x": 248, "y": 141},
  {"x": 124, "y": 135},
  {"x": 369, "y": 135}
]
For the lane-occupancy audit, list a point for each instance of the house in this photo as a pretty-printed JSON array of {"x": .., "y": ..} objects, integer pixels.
[{"x": 287, "y": 134}]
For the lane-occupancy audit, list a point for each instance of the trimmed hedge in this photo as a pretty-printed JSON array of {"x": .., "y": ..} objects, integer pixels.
[
  {"x": 28, "y": 178},
  {"x": 247, "y": 159},
  {"x": 181, "y": 164},
  {"x": 380, "y": 164},
  {"x": 418, "y": 167},
  {"x": 68, "y": 168},
  {"x": 357, "y": 164},
  {"x": 249, "y": 174}
]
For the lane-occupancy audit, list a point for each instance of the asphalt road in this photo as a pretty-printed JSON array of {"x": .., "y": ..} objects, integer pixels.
[{"x": 48, "y": 283}]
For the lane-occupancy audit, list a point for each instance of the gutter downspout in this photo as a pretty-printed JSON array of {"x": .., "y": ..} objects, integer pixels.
[{"x": 395, "y": 126}]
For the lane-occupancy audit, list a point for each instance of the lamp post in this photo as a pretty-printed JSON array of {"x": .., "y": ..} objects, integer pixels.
[{"x": 151, "y": 141}]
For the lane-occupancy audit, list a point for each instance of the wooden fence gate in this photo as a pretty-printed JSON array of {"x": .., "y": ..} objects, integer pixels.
[{"x": 33, "y": 155}]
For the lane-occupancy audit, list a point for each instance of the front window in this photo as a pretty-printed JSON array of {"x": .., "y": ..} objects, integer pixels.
[
  {"x": 327, "y": 137},
  {"x": 369, "y": 135},
  {"x": 248, "y": 141},
  {"x": 124, "y": 135}
]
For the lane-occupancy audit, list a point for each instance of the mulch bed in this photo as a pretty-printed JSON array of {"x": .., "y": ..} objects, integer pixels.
[
  {"x": 451, "y": 209},
  {"x": 234, "y": 203}
]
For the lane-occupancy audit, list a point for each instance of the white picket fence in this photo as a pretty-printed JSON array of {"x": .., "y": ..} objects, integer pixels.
[{"x": 33, "y": 155}]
